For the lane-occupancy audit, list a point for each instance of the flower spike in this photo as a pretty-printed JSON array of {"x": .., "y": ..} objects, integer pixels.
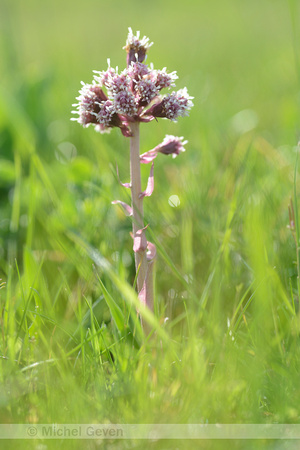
[{"x": 124, "y": 99}]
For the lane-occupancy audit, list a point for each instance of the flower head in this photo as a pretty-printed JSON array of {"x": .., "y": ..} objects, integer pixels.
[
  {"x": 88, "y": 106},
  {"x": 145, "y": 91},
  {"x": 174, "y": 105},
  {"x": 117, "y": 99},
  {"x": 95, "y": 108},
  {"x": 124, "y": 102},
  {"x": 136, "y": 48},
  {"x": 171, "y": 145},
  {"x": 162, "y": 79},
  {"x": 118, "y": 83},
  {"x": 105, "y": 76},
  {"x": 137, "y": 70},
  {"x": 107, "y": 114}
]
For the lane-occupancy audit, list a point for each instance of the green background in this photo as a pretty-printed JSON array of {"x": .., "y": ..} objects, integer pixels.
[{"x": 227, "y": 264}]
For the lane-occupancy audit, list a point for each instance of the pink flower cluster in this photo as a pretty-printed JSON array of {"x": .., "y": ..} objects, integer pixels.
[{"x": 133, "y": 95}]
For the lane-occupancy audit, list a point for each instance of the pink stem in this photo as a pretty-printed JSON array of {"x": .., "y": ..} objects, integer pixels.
[{"x": 137, "y": 202}]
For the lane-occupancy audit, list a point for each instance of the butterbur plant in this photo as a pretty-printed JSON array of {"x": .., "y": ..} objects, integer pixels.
[{"x": 124, "y": 100}]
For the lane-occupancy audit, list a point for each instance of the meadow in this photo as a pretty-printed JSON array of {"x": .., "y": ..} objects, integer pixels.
[{"x": 224, "y": 346}]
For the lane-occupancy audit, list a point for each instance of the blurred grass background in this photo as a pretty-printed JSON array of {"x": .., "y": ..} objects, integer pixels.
[{"x": 226, "y": 271}]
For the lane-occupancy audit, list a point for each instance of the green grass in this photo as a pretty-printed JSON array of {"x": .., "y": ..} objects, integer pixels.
[{"x": 71, "y": 348}]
